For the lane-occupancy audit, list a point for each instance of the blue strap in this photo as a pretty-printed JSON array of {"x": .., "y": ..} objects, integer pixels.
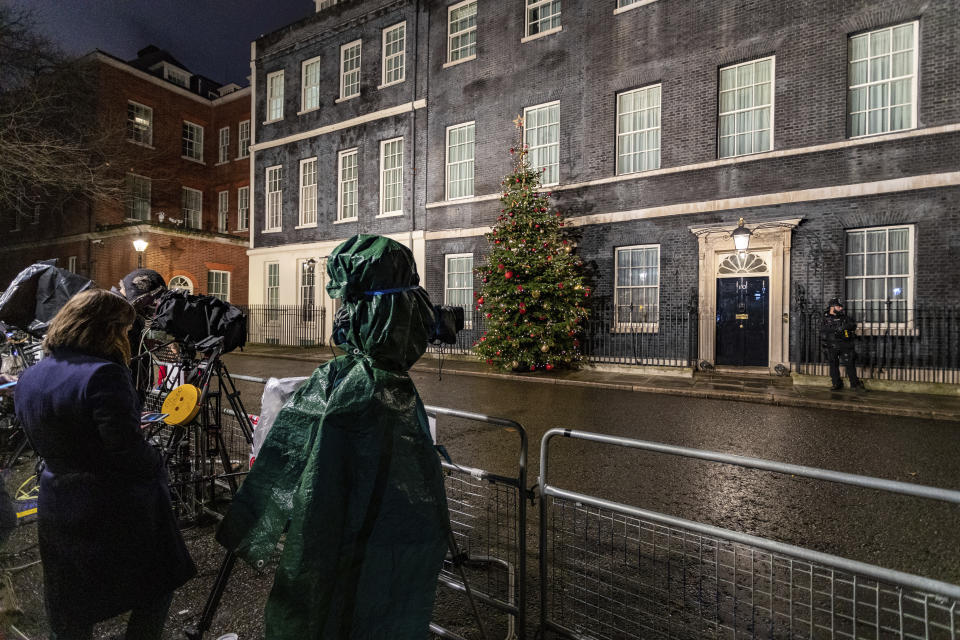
[{"x": 386, "y": 291}]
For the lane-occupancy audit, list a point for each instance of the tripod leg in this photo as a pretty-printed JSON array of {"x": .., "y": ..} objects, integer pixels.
[
  {"x": 213, "y": 600},
  {"x": 455, "y": 553},
  {"x": 225, "y": 460}
]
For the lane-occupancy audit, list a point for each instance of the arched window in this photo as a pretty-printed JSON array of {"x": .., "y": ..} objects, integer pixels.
[{"x": 180, "y": 283}]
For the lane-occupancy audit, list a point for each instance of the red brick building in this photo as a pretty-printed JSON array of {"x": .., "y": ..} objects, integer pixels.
[{"x": 185, "y": 163}]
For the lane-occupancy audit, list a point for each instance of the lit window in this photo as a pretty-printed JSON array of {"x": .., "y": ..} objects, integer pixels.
[
  {"x": 391, "y": 176},
  {"x": 541, "y": 133},
  {"x": 180, "y": 283},
  {"x": 462, "y": 31},
  {"x": 138, "y": 197},
  {"x": 637, "y": 286},
  {"x": 275, "y": 96},
  {"x": 879, "y": 273},
  {"x": 192, "y": 206},
  {"x": 308, "y": 290},
  {"x": 308, "y": 192},
  {"x": 460, "y": 160},
  {"x": 223, "y": 210},
  {"x": 218, "y": 285},
  {"x": 243, "y": 208},
  {"x": 139, "y": 123},
  {"x": 542, "y": 15},
  {"x": 274, "y": 197},
  {"x": 273, "y": 284},
  {"x": 347, "y": 185},
  {"x": 883, "y": 80},
  {"x": 746, "y": 108},
  {"x": 638, "y": 130},
  {"x": 192, "y": 141},
  {"x": 350, "y": 70},
  {"x": 458, "y": 288},
  {"x": 394, "y": 47},
  {"x": 310, "y": 95},
  {"x": 224, "y": 145},
  {"x": 243, "y": 132}
]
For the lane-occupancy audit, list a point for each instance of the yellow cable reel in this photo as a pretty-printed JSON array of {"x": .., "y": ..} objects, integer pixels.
[{"x": 183, "y": 405}]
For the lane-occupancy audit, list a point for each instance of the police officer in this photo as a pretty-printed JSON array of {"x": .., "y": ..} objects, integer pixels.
[{"x": 838, "y": 333}]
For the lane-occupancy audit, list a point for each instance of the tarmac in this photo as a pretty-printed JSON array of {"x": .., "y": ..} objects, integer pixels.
[{"x": 736, "y": 386}]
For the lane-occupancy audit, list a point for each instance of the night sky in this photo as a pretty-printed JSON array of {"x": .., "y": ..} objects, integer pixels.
[{"x": 210, "y": 37}]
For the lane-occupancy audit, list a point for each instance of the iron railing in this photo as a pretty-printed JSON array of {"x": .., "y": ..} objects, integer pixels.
[
  {"x": 287, "y": 325},
  {"x": 921, "y": 344}
]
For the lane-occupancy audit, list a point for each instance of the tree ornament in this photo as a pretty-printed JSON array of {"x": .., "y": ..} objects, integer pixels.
[
  {"x": 544, "y": 348},
  {"x": 533, "y": 368},
  {"x": 549, "y": 367},
  {"x": 535, "y": 293},
  {"x": 508, "y": 275}
]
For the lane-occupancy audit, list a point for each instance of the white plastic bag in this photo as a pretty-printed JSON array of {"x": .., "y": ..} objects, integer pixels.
[{"x": 276, "y": 393}]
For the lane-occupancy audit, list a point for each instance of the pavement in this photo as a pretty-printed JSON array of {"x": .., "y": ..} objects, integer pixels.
[{"x": 741, "y": 387}]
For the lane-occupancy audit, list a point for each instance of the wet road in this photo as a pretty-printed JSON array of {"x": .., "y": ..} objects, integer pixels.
[{"x": 909, "y": 534}]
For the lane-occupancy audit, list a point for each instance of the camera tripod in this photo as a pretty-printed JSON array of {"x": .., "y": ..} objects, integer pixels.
[{"x": 192, "y": 440}]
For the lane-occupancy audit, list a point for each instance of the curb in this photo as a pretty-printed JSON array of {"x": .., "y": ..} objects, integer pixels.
[{"x": 763, "y": 397}]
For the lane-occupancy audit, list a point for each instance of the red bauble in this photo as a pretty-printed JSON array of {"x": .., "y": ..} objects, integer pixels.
[
  {"x": 523, "y": 309},
  {"x": 489, "y": 361},
  {"x": 480, "y": 300},
  {"x": 489, "y": 315},
  {"x": 559, "y": 285},
  {"x": 519, "y": 287},
  {"x": 500, "y": 266},
  {"x": 549, "y": 367},
  {"x": 533, "y": 368},
  {"x": 508, "y": 275},
  {"x": 498, "y": 352}
]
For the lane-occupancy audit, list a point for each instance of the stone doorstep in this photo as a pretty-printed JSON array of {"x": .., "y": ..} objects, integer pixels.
[{"x": 895, "y": 386}]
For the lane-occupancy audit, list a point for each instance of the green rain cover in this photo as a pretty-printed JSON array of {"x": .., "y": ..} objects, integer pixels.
[{"x": 350, "y": 464}]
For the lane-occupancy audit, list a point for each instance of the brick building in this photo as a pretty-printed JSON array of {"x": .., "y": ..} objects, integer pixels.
[
  {"x": 187, "y": 174},
  {"x": 832, "y": 129}
]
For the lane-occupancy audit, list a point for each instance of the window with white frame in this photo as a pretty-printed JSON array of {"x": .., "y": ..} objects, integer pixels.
[
  {"x": 275, "y": 96},
  {"x": 542, "y": 15},
  {"x": 637, "y": 286},
  {"x": 324, "y": 4},
  {"x": 391, "y": 176},
  {"x": 192, "y": 207},
  {"x": 622, "y": 4},
  {"x": 458, "y": 287},
  {"x": 223, "y": 210},
  {"x": 350, "y": 70},
  {"x": 224, "y": 145},
  {"x": 879, "y": 273},
  {"x": 308, "y": 290},
  {"x": 274, "y": 198},
  {"x": 243, "y": 133},
  {"x": 72, "y": 264},
  {"x": 180, "y": 283},
  {"x": 746, "y": 108},
  {"x": 218, "y": 284},
  {"x": 243, "y": 208},
  {"x": 347, "y": 183},
  {"x": 394, "y": 48},
  {"x": 308, "y": 191},
  {"x": 462, "y": 31},
  {"x": 139, "y": 123},
  {"x": 192, "y": 141},
  {"x": 638, "y": 130},
  {"x": 460, "y": 160},
  {"x": 541, "y": 133},
  {"x": 310, "y": 93},
  {"x": 883, "y": 80},
  {"x": 272, "y": 288},
  {"x": 138, "y": 197}
]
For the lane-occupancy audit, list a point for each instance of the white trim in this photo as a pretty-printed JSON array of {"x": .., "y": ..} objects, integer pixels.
[
  {"x": 383, "y": 55},
  {"x": 250, "y": 148},
  {"x": 223, "y": 211},
  {"x": 266, "y": 198},
  {"x": 752, "y": 109},
  {"x": 316, "y": 202},
  {"x": 170, "y": 285},
  {"x": 349, "y": 45},
  {"x": 239, "y": 200},
  {"x": 446, "y": 163},
  {"x": 545, "y": 105},
  {"x": 227, "y": 274},
  {"x": 148, "y": 144},
  {"x": 616, "y": 146},
  {"x": 240, "y": 139},
  {"x": 392, "y": 212},
  {"x": 303, "y": 86},
  {"x": 354, "y": 151},
  {"x": 131, "y": 196},
  {"x": 619, "y": 10},
  {"x": 542, "y": 34},
  {"x": 344, "y": 124},
  {"x": 183, "y": 211},
  {"x": 451, "y": 9},
  {"x": 271, "y": 96},
  {"x": 641, "y": 327},
  {"x": 467, "y": 324},
  {"x": 223, "y": 158},
  {"x": 202, "y": 140},
  {"x": 132, "y": 230},
  {"x": 447, "y": 65},
  {"x": 873, "y": 328},
  {"x": 142, "y": 75}
]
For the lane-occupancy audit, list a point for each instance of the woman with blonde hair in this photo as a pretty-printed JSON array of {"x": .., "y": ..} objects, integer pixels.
[{"x": 108, "y": 539}]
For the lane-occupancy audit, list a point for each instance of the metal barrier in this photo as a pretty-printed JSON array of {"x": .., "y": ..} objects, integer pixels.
[{"x": 610, "y": 570}]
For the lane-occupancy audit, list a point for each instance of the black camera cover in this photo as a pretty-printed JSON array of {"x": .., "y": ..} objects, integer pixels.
[
  {"x": 37, "y": 294},
  {"x": 194, "y": 318}
]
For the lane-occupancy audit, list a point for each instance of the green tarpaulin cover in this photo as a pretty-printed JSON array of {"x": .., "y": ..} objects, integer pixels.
[{"x": 349, "y": 462}]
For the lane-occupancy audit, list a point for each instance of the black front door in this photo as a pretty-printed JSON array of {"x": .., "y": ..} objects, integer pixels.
[{"x": 742, "y": 305}]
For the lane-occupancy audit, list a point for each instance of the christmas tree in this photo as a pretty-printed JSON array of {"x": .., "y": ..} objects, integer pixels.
[{"x": 532, "y": 293}]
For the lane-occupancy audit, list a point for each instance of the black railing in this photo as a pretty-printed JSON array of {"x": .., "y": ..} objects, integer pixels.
[
  {"x": 914, "y": 345},
  {"x": 287, "y": 325}
]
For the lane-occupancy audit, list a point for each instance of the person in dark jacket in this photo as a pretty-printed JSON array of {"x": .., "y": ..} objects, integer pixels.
[
  {"x": 838, "y": 333},
  {"x": 107, "y": 535},
  {"x": 141, "y": 288}
]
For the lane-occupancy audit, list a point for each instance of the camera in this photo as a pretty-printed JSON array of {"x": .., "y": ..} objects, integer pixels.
[{"x": 449, "y": 321}]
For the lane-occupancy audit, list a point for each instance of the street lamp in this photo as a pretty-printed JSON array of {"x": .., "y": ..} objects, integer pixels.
[
  {"x": 741, "y": 234},
  {"x": 741, "y": 237},
  {"x": 140, "y": 245}
]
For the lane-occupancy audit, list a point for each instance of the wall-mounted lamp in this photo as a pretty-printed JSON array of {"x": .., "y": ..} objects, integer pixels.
[{"x": 140, "y": 245}]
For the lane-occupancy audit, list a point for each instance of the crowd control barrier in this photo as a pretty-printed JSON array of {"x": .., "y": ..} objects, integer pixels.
[{"x": 611, "y": 570}]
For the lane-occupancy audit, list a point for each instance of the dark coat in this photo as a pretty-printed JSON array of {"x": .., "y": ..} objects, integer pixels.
[
  {"x": 108, "y": 538},
  {"x": 838, "y": 331}
]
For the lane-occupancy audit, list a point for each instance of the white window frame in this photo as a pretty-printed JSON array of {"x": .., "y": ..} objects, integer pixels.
[
  {"x": 223, "y": 210},
  {"x": 274, "y": 107},
  {"x": 191, "y": 148},
  {"x": 342, "y": 184},
  {"x": 532, "y": 149},
  {"x": 471, "y": 161},
  {"x": 385, "y": 59},
  {"x": 626, "y": 5},
  {"x": 226, "y": 281},
  {"x": 888, "y": 82},
  {"x": 868, "y": 327},
  {"x": 308, "y": 194},
  {"x": 468, "y": 305},
  {"x": 383, "y": 178},
  {"x": 343, "y": 74},
  {"x": 273, "y": 200},
  {"x": 243, "y": 141},
  {"x": 309, "y": 93},
  {"x": 305, "y": 268},
  {"x": 324, "y": 4},
  {"x": 752, "y": 109},
  {"x": 223, "y": 146},
  {"x": 173, "y": 284},
  {"x": 188, "y": 221},
  {"x": 132, "y": 196},
  {"x": 533, "y": 5},
  {"x": 635, "y": 327},
  {"x": 142, "y": 136},
  {"x": 72, "y": 264},
  {"x": 243, "y": 208},
  {"x": 645, "y": 132},
  {"x": 463, "y": 33},
  {"x": 271, "y": 292}
]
